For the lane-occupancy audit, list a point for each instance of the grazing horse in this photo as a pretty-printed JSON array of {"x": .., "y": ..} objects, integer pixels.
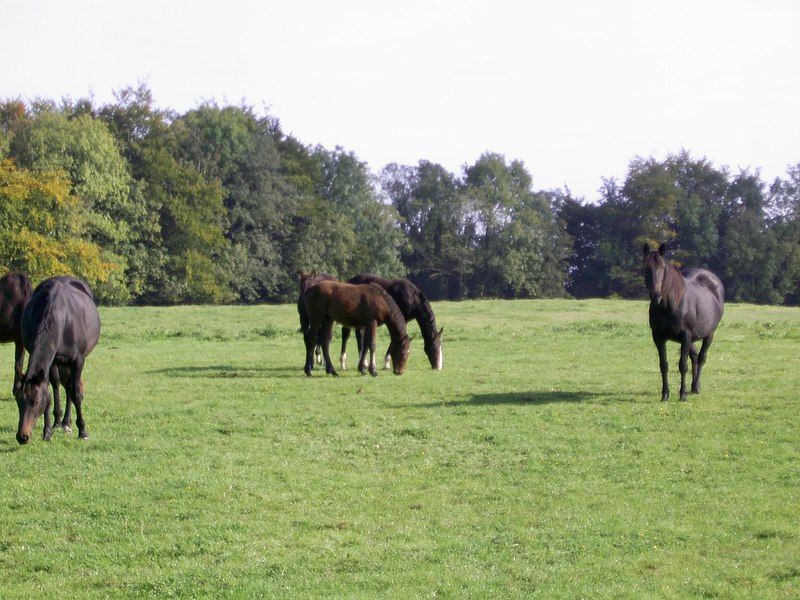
[
  {"x": 365, "y": 306},
  {"x": 413, "y": 304},
  {"x": 60, "y": 327},
  {"x": 685, "y": 306},
  {"x": 15, "y": 290},
  {"x": 306, "y": 281}
]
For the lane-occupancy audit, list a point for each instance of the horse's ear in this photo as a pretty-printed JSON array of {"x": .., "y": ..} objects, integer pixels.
[
  {"x": 440, "y": 332},
  {"x": 20, "y": 375},
  {"x": 662, "y": 249},
  {"x": 646, "y": 249}
]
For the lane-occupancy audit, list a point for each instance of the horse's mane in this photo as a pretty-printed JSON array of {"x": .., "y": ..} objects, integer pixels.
[
  {"x": 396, "y": 317},
  {"x": 43, "y": 354},
  {"x": 674, "y": 285},
  {"x": 425, "y": 316}
]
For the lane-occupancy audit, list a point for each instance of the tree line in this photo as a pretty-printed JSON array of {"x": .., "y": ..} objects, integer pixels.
[{"x": 218, "y": 204}]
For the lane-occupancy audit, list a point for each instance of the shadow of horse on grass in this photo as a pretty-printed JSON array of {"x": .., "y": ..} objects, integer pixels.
[
  {"x": 226, "y": 372},
  {"x": 530, "y": 398}
]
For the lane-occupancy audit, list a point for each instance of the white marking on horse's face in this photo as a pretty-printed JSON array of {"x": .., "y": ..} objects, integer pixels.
[
  {"x": 343, "y": 360},
  {"x": 387, "y": 362},
  {"x": 439, "y": 360}
]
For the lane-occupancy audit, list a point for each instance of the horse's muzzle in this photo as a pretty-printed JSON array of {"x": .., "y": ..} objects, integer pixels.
[{"x": 23, "y": 438}]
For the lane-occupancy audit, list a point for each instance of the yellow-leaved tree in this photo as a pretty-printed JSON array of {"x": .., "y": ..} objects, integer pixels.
[{"x": 42, "y": 227}]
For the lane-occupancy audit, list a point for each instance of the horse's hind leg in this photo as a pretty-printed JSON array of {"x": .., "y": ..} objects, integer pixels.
[
  {"x": 387, "y": 359},
  {"x": 343, "y": 353},
  {"x": 310, "y": 339},
  {"x": 695, "y": 367},
  {"x": 326, "y": 335},
  {"x": 75, "y": 394},
  {"x": 362, "y": 335},
  {"x": 701, "y": 360}
]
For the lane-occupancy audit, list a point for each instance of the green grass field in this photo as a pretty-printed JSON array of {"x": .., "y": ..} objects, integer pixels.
[{"x": 538, "y": 463}]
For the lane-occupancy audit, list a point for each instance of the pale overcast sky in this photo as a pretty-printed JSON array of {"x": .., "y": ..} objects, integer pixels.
[{"x": 575, "y": 89}]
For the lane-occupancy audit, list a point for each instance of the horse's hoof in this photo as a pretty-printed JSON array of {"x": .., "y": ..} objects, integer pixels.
[
  {"x": 83, "y": 435},
  {"x": 683, "y": 397},
  {"x": 47, "y": 435},
  {"x": 333, "y": 373},
  {"x": 66, "y": 428},
  {"x": 374, "y": 373},
  {"x": 665, "y": 397}
]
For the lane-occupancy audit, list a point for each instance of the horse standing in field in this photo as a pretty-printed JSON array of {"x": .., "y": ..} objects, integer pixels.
[
  {"x": 306, "y": 281},
  {"x": 413, "y": 304},
  {"x": 60, "y": 327},
  {"x": 685, "y": 306},
  {"x": 365, "y": 306},
  {"x": 15, "y": 290}
]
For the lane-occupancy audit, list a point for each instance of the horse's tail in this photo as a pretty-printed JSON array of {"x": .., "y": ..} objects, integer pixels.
[{"x": 304, "y": 319}]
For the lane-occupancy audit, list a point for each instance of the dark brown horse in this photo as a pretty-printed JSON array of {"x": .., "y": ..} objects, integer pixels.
[
  {"x": 15, "y": 290},
  {"x": 413, "y": 304},
  {"x": 306, "y": 280},
  {"x": 60, "y": 327},
  {"x": 685, "y": 306},
  {"x": 365, "y": 307}
]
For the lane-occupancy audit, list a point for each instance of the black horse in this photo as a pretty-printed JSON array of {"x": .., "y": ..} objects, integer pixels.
[
  {"x": 413, "y": 304},
  {"x": 685, "y": 306},
  {"x": 60, "y": 327},
  {"x": 15, "y": 290}
]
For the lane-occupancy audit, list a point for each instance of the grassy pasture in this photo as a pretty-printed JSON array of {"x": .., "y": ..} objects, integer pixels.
[{"x": 538, "y": 463}]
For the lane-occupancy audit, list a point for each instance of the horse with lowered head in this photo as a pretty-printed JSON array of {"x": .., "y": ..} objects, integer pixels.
[
  {"x": 365, "y": 306},
  {"x": 685, "y": 306},
  {"x": 413, "y": 304},
  {"x": 60, "y": 327}
]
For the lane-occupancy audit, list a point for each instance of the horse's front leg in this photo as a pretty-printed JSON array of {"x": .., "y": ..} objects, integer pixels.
[
  {"x": 19, "y": 359},
  {"x": 326, "y": 335},
  {"x": 661, "y": 345},
  {"x": 371, "y": 340},
  {"x": 686, "y": 344},
  {"x": 47, "y": 433},
  {"x": 55, "y": 383}
]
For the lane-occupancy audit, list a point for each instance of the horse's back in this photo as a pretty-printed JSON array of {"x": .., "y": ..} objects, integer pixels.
[
  {"x": 707, "y": 296},
  {"x": 66, "y": 306}
]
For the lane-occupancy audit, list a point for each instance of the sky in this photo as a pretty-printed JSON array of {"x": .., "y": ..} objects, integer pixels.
[{"x": 575, "y": 89}]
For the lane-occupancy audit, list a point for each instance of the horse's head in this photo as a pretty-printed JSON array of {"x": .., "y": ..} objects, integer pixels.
[
  {"x": 433, "y": 350},
  {"x": 32, "y": 398},
  {"x": 398, "y": 350},
  {"x": 655, "y": 267}
]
